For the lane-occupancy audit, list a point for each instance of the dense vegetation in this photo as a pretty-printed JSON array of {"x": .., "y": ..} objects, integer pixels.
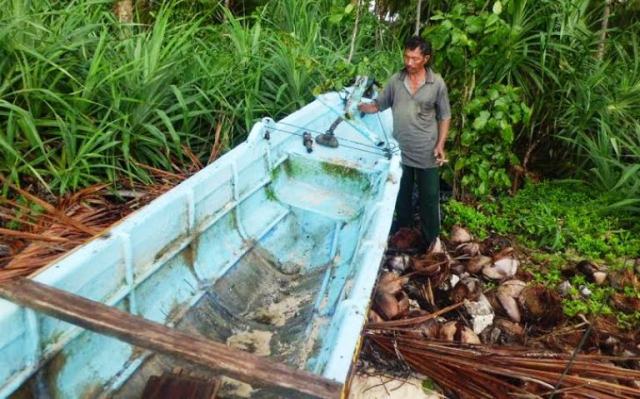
[
  {"x": 540, "y": 89},
  {"x": 535, "y": 85},
  {"x": 86, "y": 98}
]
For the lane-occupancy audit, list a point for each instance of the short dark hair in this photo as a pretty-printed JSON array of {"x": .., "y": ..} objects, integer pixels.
[{"x": 415, "y": 42}]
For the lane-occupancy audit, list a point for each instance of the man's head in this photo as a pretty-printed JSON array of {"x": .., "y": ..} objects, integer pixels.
[{"x": 417, "y": 53}]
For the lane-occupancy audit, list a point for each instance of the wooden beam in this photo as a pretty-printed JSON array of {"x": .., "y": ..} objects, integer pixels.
[{"x": 103, "y": 319}]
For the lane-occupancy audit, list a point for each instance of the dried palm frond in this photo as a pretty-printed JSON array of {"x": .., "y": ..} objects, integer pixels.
[
  {"x": 480, "y": 371},
  {"x": 411, "y": 321},
  {"x": 43, "y": 236}
]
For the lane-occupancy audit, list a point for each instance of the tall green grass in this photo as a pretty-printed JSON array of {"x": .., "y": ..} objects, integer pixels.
[
  {"x": 600, "y": 120},
  {"x": 86, "y": 99}
]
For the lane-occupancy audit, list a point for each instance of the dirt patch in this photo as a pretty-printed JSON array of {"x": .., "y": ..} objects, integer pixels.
[
  {"x": 256, "y": 342},
  {"x": 277, "y": 313}
]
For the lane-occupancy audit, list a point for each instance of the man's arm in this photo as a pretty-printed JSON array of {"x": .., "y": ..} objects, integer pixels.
[
  {"x": 368, "y": 108},
  {"x": 443, "y": 132},
  {"x": 443, "y": 114},
  {"x": 384, "y": 100}
]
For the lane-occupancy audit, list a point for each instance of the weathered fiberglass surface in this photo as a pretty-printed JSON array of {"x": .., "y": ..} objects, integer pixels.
[{"x": 270, "y": 249}]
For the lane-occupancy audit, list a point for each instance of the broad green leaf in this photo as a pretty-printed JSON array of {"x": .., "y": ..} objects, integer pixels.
[
  {"x": 474, "y": 24},
  {"x": 497, "y": 7},
  {"x": 467, "y": 138},
  {"x": 336, "y": 18},
  {"x": 482, "y": 188},
  {"x": 456, "y": 56},
  {"x": 483, "y": 173},
  {"x": 481, "y": 121},
  {"x": 507, "y": 133},
  {"x": 502, "y": 103},
  {"x": 439, "y": 38}
]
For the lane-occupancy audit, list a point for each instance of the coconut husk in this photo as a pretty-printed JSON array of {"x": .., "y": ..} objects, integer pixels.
[
  {"x": 627, "y": 304},
  {"x": 470, "y": 248},
  {"x": 391, "y": 283},
  {"x": 386, "y": 305},
  {"x": 587, "y": 268},
  {"x": 406, "y": 240},
  {"x": 599, "y": 278},
  {"x": 429, "y": 264},
  {"x": 507, "y": 295},
  {"x": 541, "y": 306},
  {"x": 476, "y": 263},
  {"x": 398, "y": 263},
  {"x": 459, "y": 293},
  {"x": 428, "y": 329},
  {"x": 435, "y": 266},
  {"x": 520, "y": 314},
  {"x": 458, "y": 332},
  {"x": 503, "y": 268},
  {"x": 459, "y": 235},
  {"x": 374, "y": 317},
  {"x": 403, "y": 305},
  {"x": 510, "y": 306}
]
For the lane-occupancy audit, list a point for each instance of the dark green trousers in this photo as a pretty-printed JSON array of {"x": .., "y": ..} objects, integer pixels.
[{"x": 428, "y": 182}]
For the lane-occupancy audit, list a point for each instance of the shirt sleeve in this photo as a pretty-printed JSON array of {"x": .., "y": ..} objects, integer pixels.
[
  {"x": 443, "y": 108},
  {"x": 385, "y": 99}
]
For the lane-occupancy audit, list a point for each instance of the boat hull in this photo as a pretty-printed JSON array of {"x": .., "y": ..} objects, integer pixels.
[{"x": 271, "y": 249}]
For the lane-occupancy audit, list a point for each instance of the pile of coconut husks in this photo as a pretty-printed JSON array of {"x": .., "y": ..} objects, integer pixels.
[{"x": 467, "y": 317}]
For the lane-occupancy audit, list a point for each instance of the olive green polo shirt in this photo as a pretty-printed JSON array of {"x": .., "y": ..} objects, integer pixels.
[{"x": 415, "y": 117}]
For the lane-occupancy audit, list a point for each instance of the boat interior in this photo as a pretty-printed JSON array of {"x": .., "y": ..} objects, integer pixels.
[{"x": 271, "y": 249}]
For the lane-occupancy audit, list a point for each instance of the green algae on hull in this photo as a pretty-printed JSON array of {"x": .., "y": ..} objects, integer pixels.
[{"x": 342, "y": 171}]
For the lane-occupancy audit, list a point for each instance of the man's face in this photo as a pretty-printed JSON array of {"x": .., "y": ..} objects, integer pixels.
[{"x": 414, "y": 60}]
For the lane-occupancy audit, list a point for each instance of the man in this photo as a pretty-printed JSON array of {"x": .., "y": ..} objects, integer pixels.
[{"x": 419, "y": 102}]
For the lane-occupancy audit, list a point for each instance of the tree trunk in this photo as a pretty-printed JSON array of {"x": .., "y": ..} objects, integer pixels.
[
  {"x": 123, "y": 9},
  {"x": 355, "y": 32},
  {"x": 227, "y": 5},
  {"x": 603, "y": 29},
  {"x": 418, "y": 11}
]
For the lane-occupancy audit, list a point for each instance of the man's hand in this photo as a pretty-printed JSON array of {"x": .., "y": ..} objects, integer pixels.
[
  {"x": 441, "y": 156},
  {"x": 443, "y": 132},
  {"x": 368, "y": 108}
]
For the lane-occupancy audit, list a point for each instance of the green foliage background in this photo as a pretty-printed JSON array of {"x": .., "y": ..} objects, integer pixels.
[{"x": 86, "y": 99}]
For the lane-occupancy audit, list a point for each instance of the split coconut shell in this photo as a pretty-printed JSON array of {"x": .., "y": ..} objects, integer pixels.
[
  {"x": 541, "y": 306},
  {"x": 406, "y": 239}
]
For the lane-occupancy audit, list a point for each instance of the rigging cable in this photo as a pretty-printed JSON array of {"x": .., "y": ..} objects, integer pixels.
[
  {"x": 393, "y": 149},
  {"x": 380, "y": 151}
]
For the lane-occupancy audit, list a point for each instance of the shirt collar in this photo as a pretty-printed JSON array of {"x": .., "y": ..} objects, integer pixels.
[{"x": 428, "y": 78}]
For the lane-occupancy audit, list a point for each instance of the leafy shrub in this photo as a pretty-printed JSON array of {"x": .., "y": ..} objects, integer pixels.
[
  {"x": 483, "y": 151},
  {"x": 553, "y": 216},
  {"x": 471, "y": 42}
]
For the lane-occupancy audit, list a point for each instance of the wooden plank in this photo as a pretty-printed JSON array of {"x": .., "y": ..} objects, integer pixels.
[{"x": 97, "y": 317}]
